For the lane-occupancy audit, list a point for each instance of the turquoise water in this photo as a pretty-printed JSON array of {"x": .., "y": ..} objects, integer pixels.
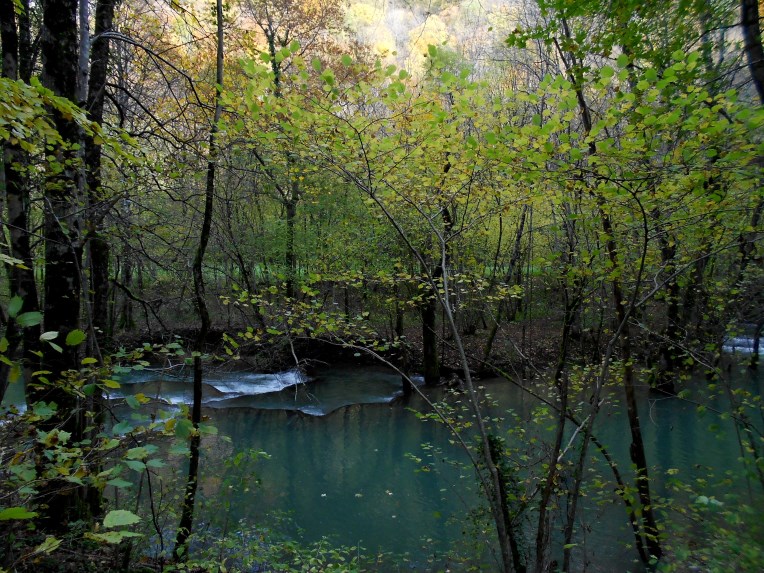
[{"x": 342, "y": 442}]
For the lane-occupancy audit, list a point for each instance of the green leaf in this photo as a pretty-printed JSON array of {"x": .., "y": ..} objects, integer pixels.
[
  {"x": 208, "y": 430},
  {"x": 138, "y": 453},
  {"x": 119, "y": 517},
  {"x": 14, "y": 306},
  {"x": 316, "y": 63},
  {"x": 75, "y": 337},
  {"x": 111, "y": 536},
  {"x": 16, "y": 513},
  {"x": 122, "y": 428},
  {"x": 133, "y": 402},
  {"x": 346, "y": 60},
  {"x": 29, "y": 319},
  {"x": 50, "y": 335},
  {"x": 89, "y": 360},
  {"x": 48, "y": 546},
  {"x": 135, "y": 465},
  {"x": 184, "y": 428},
  {"x": 622, "y": 61},
  {"x": 119, "y": 483}
]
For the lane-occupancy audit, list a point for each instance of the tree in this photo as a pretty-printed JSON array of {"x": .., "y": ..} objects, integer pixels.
[
  {"x": 186, "y": 521},
  {"x": 15, "y": 55}
]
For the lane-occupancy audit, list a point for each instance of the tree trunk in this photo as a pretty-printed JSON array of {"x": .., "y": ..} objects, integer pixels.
[
  {"x": 289, "y": 256},
  {"x": 514, "y": 261},
  {"x": 187, "y": 513},
  {"x": 637, "y": 447},
  {"x": 749, "y": 16},
  {"x": 668, "y": 350},
  {"x": 430, "y": 361},
  {"x": 21, "y": 280},
  {"x": 98, "y": 247},
  {"x": 63, "y": 248},
  {"x": 754, "y": 363},
  {"x": 543, "y": 529}
]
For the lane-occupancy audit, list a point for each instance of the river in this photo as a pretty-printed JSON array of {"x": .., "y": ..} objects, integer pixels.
[
  {"x": 342, "y": 447},
  {"x": 349, "y": 460}
]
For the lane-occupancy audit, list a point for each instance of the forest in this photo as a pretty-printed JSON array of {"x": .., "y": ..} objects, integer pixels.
[{"x": 515, "y": 244}]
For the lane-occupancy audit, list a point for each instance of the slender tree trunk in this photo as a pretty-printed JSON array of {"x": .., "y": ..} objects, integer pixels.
[
  {"x": 668, "y": 363},
  {"x": 289, "y": 255},
  {"x": 514, "y": 261},
  {"x": 187, "y": 514},
  {"x": 543, "y": 529},
  {"x": 754, "y": 362},
  {"x": 430, "y": 359},
  {"x": 637, "y": 449}
]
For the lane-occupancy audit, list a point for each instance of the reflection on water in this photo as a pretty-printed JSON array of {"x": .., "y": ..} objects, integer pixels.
[
  {"x": 349, "y": 474},
  {"x": 341, "y": 443}
]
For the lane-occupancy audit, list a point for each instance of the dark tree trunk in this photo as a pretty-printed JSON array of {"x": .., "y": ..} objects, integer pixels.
[
  {"x": 637, "y": 449},
  {"x": 430, "y": 361},
  {"x": 187, "y": 513},
  {"x": 543, "y": 530},
  {"x": 289, "y": 256},
  {"x": 98, "y": 246},
  {"x": 668, "y": 347},
  {"x": 63, "y": 248},
  {"x": 637, "y": 446},
  {"x": 754, "y": 363},
  {"x": 749, "y": 15},
  {"x": 514, "y": 263},
  {"x": 21, "y": 280},
  {"x": 26, "y": 55}
]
